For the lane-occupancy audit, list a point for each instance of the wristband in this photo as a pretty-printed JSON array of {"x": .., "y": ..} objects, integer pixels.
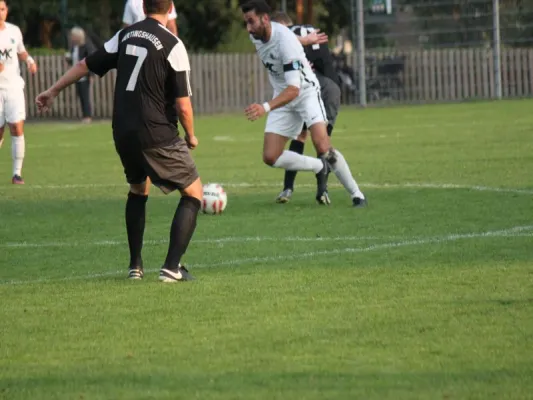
[
  {"x": 30, "y": 60},
  {"x": 266, "y": 106}
]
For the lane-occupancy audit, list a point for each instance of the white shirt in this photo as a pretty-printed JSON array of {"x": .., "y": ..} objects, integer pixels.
[
  {"x": 284, "y": 57},
  {"x": 133, "y": 12},
  {"x": 11, "y": 45}
]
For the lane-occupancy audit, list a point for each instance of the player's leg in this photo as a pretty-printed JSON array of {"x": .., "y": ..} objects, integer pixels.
[
  {"x": 135, "y": 226},
  {"x": 275, "y": 156},
  {"x": 172, "y": 168},
  {"x": 15, "y": 112},
  {"x": 281, "y": 125},
  {"x": 2, "y": 117},
  {"x": 135, "y": 213},
  {"x": 18, "y": 151},
  {"x": 181, "y": 232},
  {"x": 84, "y": 94},
  {"x": 335, "y": 158},
  {"x": 297, "y": 146},
  {"x": 331, "y": 97}
]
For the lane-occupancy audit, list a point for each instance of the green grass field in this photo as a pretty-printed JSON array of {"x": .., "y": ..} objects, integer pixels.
[{"x": 426, "y": 294}]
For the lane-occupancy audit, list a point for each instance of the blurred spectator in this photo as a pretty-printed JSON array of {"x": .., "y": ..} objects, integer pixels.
[{"x": 81, "y": 48}]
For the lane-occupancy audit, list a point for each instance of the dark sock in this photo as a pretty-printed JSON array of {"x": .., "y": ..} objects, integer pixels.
[
  {"x": 290, "y": 176},
  {"x": 182, "y": 229},
  {"x": 330, "y": 129},
  {"x": 135, "y": 222}
]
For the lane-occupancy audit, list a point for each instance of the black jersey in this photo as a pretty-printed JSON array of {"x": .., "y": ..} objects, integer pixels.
[
  {"x": 152, "y": 71},
  {"x": 318, "y": 54}
]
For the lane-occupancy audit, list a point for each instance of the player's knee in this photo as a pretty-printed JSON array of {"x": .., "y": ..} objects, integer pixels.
[
  {"x": 140, "y": 189},
  {"x": 320, "y": 138},
  {"x": 302, "y": 137},
  {"x": 270, "y": 159},
  {"x": 16, "y": 129},
  {"x": 195, "y": 190}
]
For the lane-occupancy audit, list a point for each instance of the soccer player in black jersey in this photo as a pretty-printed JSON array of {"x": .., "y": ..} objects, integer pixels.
[
  {"x": 319, "y": 56},
  {"x": 152, "y": 89}
]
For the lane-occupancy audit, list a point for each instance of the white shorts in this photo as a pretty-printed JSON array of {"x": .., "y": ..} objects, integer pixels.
[
  {"x": 12, "y": 106},
  {"x": 289, "y": 120}
]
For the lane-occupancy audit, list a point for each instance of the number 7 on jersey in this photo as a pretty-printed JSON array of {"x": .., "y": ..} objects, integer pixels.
[{"x": 140, "y": 53}]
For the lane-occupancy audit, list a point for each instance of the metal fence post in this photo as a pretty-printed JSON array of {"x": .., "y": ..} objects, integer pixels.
[
  {"x": 497, "y": 61},
  {"x": 64, "y": 21},
  {"x": 284, "y": 6},
  {"x": 361, "y": 64}
]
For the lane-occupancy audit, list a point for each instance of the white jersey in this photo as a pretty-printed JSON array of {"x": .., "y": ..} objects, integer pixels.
[
  {"x": 11, "y": 45},
  {"x": 134, "y": 12},
  {"x": 283, "y": 53}
]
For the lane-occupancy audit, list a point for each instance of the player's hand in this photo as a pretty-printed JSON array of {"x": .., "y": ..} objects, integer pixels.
[
  {"x": 254, "y": 112},
  {"x": 192, "y": 141},
  {"x": 44, "y": 100},
  {"x": 317, "y": 37},
  {"x": 32, "y": 67}
]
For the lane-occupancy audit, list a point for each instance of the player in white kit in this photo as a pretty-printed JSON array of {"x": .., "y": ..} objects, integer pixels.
[
  {"x": 134, "y": 12},
  {"x": 12, "y": 102},
  {"x": 296, "y": 102}
]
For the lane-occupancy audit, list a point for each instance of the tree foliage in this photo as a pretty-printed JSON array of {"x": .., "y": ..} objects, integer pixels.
[{"x": 203, "y": 24}]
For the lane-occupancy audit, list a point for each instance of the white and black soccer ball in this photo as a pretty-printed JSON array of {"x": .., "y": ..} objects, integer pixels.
[{"x": 215, "y": 199}]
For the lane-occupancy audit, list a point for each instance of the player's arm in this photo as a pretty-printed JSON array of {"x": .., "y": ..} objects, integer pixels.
[
  {"x": 74, "y": 74},
  {"x": 24, "y": 56},
  {"x": 288, "y": 94},
  {"x": 180, "y": 69},
  {"x": 99, "y": 62},
  {"x": 315, "y": 37},
  {"x": 186, "y": 117},
  {"x": 291, "y": 70}
]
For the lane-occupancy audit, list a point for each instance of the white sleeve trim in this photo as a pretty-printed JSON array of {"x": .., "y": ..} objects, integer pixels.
[
  {"x": 20, "y": 46},
  {"x": 178, "y": 58},
  {"x": 293, "y": 78},
  {"x": 111, "y": 46}
]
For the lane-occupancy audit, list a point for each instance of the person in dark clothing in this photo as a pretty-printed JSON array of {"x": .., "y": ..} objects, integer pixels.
[{"x": 80, "y": 49}]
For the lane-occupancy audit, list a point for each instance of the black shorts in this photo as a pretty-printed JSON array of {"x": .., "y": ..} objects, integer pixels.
[
  {"x": 331, "y": 96},
  {"x": 169, "y": 167}
]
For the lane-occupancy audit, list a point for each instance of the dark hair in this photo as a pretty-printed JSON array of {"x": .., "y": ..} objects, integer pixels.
[
  {"x": 259, "y": 6},
  {"x": 281, "y": 17},
  {"x": 157, "y": 6}
]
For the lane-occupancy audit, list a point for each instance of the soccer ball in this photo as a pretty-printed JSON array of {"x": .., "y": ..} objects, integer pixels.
[{"x": 215, "y": 199}]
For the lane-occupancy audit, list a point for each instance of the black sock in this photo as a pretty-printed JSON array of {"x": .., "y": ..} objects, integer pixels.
[
  {"x": 330, "y": 129},
  {"x": 290, "y": 176},
  {"x": 182, "y": 229},
  {"x": 135, "y": 221}
]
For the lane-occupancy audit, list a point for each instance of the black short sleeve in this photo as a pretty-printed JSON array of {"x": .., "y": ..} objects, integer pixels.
[
  {"x": 182, "y": 86},
  {"x": 105, "y": 58},
  {"x": 180, "y": 67}
]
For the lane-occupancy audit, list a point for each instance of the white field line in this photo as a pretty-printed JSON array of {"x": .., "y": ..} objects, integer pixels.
[
  {"x": 511, "y": 232},
  {"x": 245, "y": 239},
  {"x": 407, "y": 185}
]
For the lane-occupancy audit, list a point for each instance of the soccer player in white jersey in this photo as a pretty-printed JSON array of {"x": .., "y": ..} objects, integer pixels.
[
  {"x": 296, "y": 102},
  {"x": 12, "y": 102},
  {"x": 134, "y": 12}
]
